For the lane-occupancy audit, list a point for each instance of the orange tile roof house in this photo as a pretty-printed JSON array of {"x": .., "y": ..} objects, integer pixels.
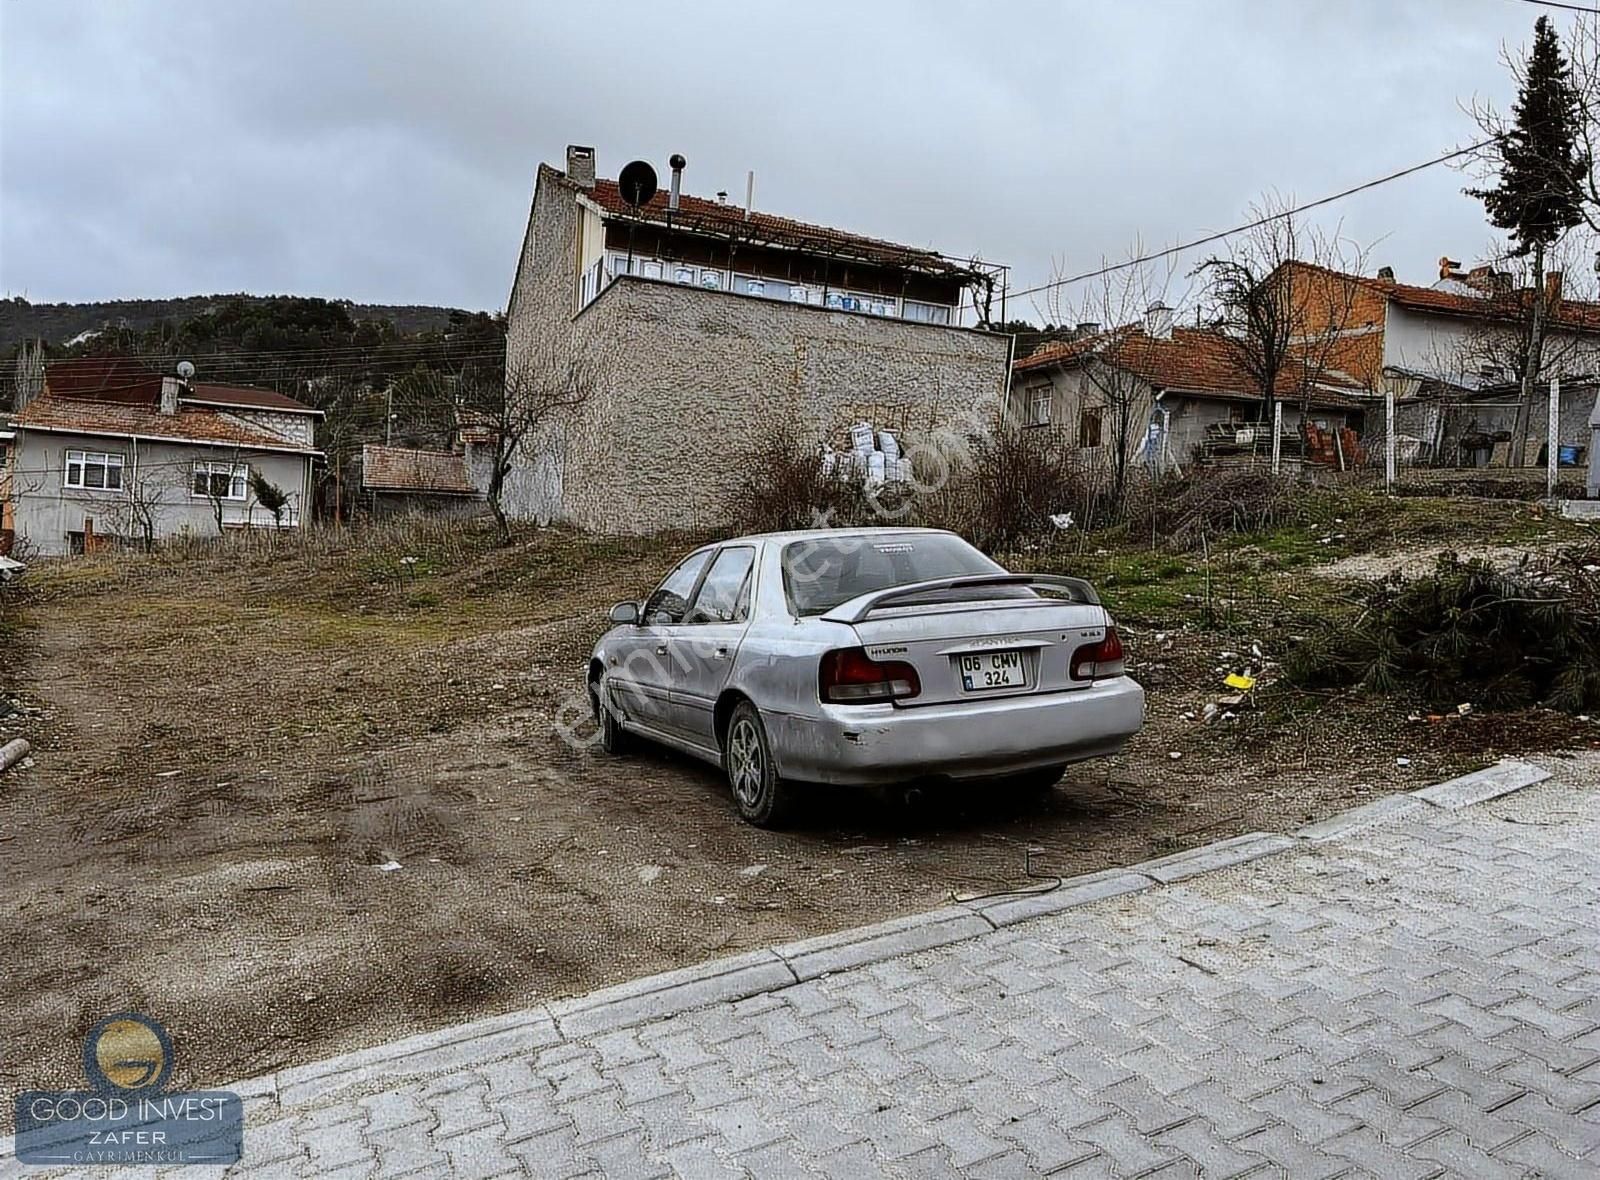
[
  {"x": 1449, "y": 352},
  {"x": 112, "y": 450},
  {"x": 1179, "y": 386},
  {"x": 708, "y": 324}
]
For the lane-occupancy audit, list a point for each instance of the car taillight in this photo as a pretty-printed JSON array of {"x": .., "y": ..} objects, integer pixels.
[
  {"x": 850, "y": 676},
  {"x": 1099, "y": 661}
]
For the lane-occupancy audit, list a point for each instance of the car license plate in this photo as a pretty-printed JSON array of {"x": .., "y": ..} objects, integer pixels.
[{"x": 991, "y": 670}]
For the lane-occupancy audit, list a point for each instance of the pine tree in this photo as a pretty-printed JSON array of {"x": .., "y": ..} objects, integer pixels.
[{"x": 1538, "y": 195}]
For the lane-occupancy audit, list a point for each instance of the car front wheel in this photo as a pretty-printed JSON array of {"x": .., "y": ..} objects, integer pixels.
[
  {"x": 613, "y": 738},
  {"x": 760, "y": 795}
]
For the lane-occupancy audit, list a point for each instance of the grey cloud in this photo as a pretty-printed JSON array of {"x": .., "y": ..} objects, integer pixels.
[{"x": 385, "y": 151}]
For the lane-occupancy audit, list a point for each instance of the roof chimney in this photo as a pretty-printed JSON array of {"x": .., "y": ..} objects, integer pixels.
[
  {"x": 1448, "y": 267},
  {"x": 1386, "y": 274},
  {"x": 1158, "y": 321},
  {"x": 171, "y": 387},
  {"x": 750, "y": 194},
  {"x": 580, "y": 165},
  {"x": 722, "y": 196},
  {"x": 1087, "y": 329}
]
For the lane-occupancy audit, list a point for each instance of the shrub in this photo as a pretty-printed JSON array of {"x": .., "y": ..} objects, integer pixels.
[
  {"x": 1009, "y": 484},
  {"x": 783, "y": 486},
  {"x": 1209, "y": 502},
  {"x": 1468, "y": 632}
]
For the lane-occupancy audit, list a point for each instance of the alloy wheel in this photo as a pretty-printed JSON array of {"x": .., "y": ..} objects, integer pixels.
[{"x": 745, "y": 764}]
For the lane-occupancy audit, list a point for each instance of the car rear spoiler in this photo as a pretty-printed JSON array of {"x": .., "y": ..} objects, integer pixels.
[{"x": 862, "y": 605}]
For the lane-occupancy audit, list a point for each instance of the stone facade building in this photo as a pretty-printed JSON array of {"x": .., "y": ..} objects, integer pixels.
[{"x": 697, "y": 329}]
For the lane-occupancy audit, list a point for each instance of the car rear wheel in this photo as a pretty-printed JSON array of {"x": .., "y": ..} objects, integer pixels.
[{"x": 761, "y": 797}]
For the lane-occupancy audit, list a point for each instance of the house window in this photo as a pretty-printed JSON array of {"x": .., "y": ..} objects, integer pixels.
[
  {"x": 94, "y": 470},
  {"x": 1039, "y": 405},
  {"x": 650, "y": 268},
  {"x": 1089, "y": 426},
  {"x": 221, "y": 481},
  {"x": 927, "y": 313}
]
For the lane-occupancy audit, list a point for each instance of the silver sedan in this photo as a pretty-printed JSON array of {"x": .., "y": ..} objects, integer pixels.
[{"x": 863, "y": 656}]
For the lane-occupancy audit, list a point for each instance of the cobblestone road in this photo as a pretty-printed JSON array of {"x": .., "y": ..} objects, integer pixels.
[{"x": 1418, "y": 999}]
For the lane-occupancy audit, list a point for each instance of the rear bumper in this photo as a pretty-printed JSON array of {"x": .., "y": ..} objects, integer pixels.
[{"x": 872, "y": 744}]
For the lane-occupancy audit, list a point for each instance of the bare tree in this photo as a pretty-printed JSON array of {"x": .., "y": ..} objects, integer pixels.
[
  {"x": 1130, "y": 302},
  {"x": 525, "y": 414},
  {"x": 29, "y": 374},
  {"x": 147, "y": 492},
  {"x": 1282, "y": 296}
]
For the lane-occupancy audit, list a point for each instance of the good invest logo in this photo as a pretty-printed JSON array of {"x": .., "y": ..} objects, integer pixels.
[{"x": 126, "y": 1116}]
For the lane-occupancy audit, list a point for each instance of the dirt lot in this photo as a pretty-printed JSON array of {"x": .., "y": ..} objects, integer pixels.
[{"x": 228, "y": 748}]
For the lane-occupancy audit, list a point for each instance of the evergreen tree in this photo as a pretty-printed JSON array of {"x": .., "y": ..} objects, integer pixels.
[{"x": 1538, "y": 193}]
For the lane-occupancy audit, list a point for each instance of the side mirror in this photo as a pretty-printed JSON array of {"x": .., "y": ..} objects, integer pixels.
[{"x": 625, "y": 612}]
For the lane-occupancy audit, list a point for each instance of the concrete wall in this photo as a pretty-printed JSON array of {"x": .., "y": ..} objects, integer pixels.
[
  {"x": 297, "y": 430},
  {"x": 691, "y": 379},
  {"x": 161, "y": 474}
]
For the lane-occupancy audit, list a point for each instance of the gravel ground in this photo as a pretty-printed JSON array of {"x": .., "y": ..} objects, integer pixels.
[{"x": 226, "y": 757}]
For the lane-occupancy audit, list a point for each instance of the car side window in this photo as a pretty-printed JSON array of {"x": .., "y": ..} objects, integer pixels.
[
  {"x": 723, "y": 597},
  {"x": 671, "y": 600}
]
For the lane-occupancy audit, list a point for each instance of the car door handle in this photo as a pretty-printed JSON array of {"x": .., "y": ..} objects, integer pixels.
[
  {"x": 661, "y": 649},
  {"x": 720, "y": 654}
]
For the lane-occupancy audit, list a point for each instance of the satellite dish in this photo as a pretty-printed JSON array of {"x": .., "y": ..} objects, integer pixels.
[
  {"x": 185, "y": 369},
  {"x": 637, "y": 182}
]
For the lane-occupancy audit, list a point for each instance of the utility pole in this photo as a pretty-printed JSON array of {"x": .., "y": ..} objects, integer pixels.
[
  {"x": 1552, "y": 436},
  {"x": 1388, "y": 436}
]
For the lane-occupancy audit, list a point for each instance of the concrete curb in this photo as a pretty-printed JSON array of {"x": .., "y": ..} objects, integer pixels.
[
  {"x": 1345, "y": 823},
  {"x": 1489, "y": 783},
  {"x": 840, "y": 951},
  {"x": 740, "y": 976}
]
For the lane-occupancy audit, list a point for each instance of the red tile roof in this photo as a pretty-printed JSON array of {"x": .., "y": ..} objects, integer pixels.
[
  {"x": 698, "y": 215},
  {"x": 103, "y": 378},
  {"x": 1193, "y": 360},
  {"x": 192, "y": 424},
  {"x": 246, "y": 397},
  {"x": 119, "y": 379},
  {"x": 1571, "y": 313},
  {"x": 402, "y": 469}
]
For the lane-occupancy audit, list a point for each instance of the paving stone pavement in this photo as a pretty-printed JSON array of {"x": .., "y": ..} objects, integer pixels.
[{"x": 1416, "y": 998}]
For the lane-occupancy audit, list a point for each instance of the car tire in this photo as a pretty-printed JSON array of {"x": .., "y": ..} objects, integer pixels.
[
  {"x": 760, "y": 795},
  {"x": 614, "y": 739}
]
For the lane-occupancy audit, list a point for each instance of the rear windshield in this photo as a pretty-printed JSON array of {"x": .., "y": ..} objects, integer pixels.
[{"x": 819, "y": 575}]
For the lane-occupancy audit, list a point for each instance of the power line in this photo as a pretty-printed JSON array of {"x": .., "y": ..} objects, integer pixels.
[
  {"x": 1256, "y": 224},
  {"x": 1590, "y": 9}
]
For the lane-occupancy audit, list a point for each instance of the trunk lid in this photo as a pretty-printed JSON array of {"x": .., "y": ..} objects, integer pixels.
[{"x": 984, "y": 648}]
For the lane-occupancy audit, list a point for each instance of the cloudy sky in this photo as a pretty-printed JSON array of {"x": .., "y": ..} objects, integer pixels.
[{"x": 385, "y": 151}]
